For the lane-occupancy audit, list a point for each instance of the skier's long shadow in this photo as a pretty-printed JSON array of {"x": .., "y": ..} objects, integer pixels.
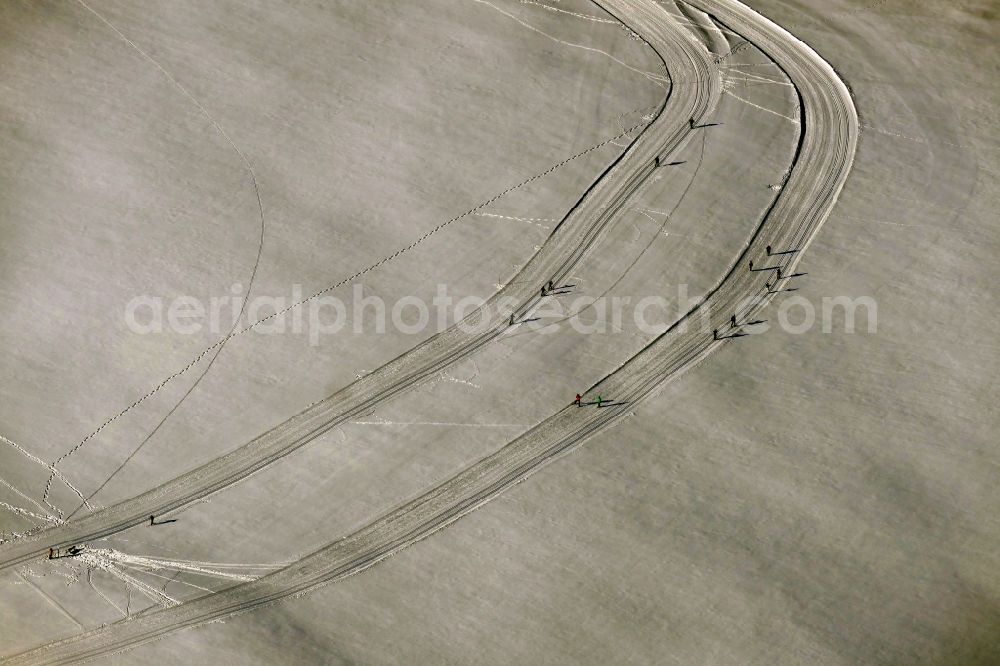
[{"x": 737, "y": 334}]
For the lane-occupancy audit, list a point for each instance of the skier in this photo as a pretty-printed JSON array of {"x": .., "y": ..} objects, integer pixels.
[
  {"x": 511, "y": 318},
  {"x": 732, "y": 321},
  {"x": 751, "y": 264},
  {"x": 769, "y": 250},
  {"x": 599, "y": 401},
  {"x": 578, "y": 399},
  {"x": 152, "y": 521},
  {"x": 691, "y": 123}
]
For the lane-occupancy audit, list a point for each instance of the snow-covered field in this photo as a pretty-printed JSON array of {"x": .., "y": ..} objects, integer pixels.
[{"x": 825, "y": 496}]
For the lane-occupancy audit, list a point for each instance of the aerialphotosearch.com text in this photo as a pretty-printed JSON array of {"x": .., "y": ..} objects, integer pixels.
[{"x": 551, "y": 310}]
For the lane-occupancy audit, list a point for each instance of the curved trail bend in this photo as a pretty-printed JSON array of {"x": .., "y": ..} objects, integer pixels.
[{"x": 825, "y": 153}]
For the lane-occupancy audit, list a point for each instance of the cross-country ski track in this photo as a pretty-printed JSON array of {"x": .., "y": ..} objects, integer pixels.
[
  {"x": 829, "y": 130},
  {"x": 555, "y": 260}
]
